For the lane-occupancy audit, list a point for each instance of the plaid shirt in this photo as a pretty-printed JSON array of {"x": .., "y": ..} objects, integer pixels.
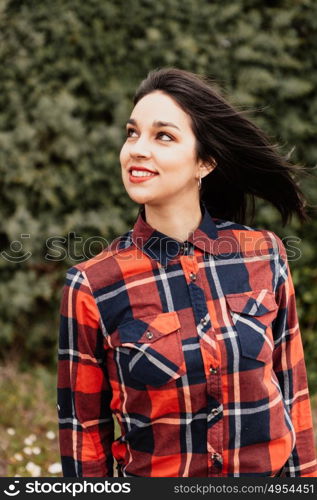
[{"x": 194, "y": 347}]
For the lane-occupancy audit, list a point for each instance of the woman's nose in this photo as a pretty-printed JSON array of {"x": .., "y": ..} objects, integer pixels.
[{"x": 140, "y": 148}]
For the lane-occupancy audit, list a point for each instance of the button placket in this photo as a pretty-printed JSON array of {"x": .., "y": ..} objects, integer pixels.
[
  {"x": 197, "y": 294},
  {"x": 190, "y": 265}
]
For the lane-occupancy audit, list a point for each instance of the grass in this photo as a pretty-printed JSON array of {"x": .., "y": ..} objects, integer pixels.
[{"x": 28, "y": 423}]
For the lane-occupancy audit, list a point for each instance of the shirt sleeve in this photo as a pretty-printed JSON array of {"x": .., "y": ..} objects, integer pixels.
[
  {"x": 289, "y": 366},
  {"x": 86, "y": 429}
]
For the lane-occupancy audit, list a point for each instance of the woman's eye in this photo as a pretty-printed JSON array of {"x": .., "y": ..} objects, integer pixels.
[
  {"x": 163, "y": 136},
  {"x": 130, "y": 131}
]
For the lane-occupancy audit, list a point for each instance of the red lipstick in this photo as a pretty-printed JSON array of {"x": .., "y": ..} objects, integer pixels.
[{"x": 137, "y": 180}]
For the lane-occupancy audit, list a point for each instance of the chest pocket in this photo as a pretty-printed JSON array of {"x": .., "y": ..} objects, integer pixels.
[
  {"x": 151, "y": 348},
  {"x": 252, "y": 314}
]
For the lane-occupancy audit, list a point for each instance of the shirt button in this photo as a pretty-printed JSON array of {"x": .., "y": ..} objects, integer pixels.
[
  {"x": 203, "y": 321},
  {"x": 193, "y": 276},
  {"x": 149, "y": 335},
  {"x": 214, "y": 411},
  {"x": 213, "y": 370}
]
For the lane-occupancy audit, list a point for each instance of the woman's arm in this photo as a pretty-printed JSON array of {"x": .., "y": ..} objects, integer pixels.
[
  {"x": 289, "y": 366},
  {"x": 86, "y": 429}
]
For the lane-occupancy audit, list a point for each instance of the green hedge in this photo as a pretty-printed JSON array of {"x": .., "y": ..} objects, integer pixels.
[{"x": 68, "y": 72}]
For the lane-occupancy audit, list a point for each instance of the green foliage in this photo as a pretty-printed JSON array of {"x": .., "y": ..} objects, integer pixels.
[{"x": 68, "y": 73}]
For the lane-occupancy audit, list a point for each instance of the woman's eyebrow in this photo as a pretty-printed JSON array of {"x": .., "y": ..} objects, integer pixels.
[{"x": 156, "y": 123}]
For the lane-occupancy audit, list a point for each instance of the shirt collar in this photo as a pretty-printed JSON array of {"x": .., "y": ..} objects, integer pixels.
[{"x": 159, "y": 246}]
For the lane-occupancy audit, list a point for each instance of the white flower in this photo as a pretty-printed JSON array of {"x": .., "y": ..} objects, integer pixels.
[
  {"x": 55, "y": 468},
  {"x": 33, "y": 469},
  {"x": 18, "y": 457},
  {"x": 36, "y": 450},
  {"x": 11, "y": 431},
  {"x": 30, "y": 440},
  {"x": 50, "y": 435},
  {"x": 27, "y": 450}
]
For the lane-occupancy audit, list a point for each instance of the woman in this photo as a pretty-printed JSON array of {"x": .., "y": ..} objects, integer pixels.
[{"x": 185, "y": 328}]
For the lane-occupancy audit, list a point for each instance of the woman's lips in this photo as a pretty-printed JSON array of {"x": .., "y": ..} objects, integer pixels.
[{"x": 137, "y": 180}]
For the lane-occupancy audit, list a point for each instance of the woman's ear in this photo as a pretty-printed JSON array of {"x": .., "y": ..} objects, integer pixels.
[{"x": 207, "y": 167}]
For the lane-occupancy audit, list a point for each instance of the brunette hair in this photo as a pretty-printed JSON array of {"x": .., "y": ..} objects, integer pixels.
[{"x": 247, "y": 165}]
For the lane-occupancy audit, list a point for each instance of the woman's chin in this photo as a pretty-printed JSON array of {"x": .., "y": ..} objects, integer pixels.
[{"x": 139, "y": 199}]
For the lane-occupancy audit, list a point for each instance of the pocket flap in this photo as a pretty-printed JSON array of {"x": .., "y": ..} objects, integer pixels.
[
  {"x": 253, "y": 303},
  {"x": 150, "y": 328}
]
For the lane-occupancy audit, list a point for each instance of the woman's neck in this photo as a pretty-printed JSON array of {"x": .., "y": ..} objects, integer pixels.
[{"x": 176, "y": 222}]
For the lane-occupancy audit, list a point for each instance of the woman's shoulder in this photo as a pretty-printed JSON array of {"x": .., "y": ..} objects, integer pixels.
[{"x": 249, "y": 237}]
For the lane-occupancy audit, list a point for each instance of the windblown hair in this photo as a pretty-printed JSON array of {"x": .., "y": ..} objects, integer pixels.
[{"x": 248, "y": 166}]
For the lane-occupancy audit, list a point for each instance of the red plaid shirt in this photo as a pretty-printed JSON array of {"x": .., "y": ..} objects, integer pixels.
[{"x": 196, "y": 351}]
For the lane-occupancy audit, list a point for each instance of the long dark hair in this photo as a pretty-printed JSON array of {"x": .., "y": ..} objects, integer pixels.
[{"x": 248, "y": 166}]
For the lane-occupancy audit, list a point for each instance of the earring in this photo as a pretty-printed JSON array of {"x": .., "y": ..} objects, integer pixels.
[{"x": 199, "y": 183}]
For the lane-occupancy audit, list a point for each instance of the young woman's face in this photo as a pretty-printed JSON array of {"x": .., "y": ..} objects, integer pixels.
[{"x": 158, "y": 158}]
